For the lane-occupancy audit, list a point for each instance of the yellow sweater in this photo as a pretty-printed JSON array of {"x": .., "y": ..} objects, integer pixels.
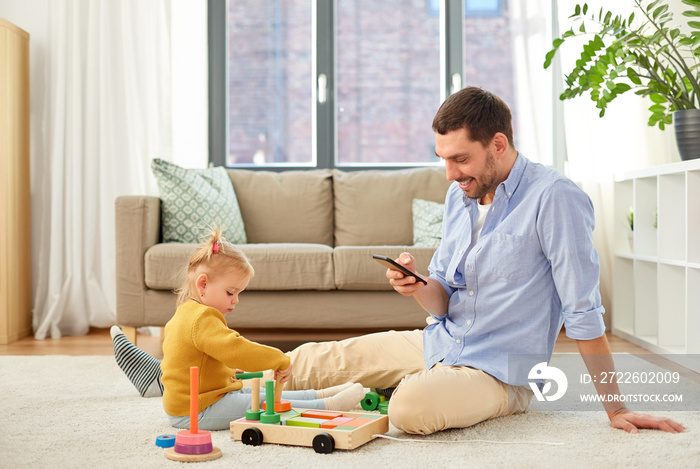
[{"x": 197, "y": 335}]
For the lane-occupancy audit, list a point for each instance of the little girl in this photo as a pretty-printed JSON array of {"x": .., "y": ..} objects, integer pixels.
[{"x": 197, "y": 335}]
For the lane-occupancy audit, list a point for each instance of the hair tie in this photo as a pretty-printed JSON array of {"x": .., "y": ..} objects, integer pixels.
[{"x": 215, "y": 247}]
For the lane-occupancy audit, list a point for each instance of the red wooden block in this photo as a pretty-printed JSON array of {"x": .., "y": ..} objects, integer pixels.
[
  {"x": 358, "y": 422},
  {"x": 336, "y": 422},
  {"x": 321, "y": 414}
]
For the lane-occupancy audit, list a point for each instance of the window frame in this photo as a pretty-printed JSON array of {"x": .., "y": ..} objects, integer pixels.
[{"x": 324, "y": 147}]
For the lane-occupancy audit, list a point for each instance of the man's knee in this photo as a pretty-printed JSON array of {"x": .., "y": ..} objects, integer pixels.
[{"x": 413, "y": 411}]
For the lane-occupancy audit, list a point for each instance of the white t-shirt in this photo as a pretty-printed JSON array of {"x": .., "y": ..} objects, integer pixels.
[{"x": 476, "y": 230}]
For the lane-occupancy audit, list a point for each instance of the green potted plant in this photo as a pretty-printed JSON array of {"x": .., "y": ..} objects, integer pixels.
[
  {"x": 630, "y": 223},
  {"x": 643, "y": 52}
]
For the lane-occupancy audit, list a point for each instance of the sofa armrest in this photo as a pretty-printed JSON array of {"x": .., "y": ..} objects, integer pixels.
[{"x": 137, "y": 228}]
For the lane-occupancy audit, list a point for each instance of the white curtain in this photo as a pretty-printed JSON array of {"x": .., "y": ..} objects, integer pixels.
[
  {"x": 598, "y": 148},
  {"x": 106, "y": 115},
  {"x": 531, "y": 33}
]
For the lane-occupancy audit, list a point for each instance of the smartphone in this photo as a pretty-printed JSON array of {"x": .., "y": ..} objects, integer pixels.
[{"x": 391, "y": 264}]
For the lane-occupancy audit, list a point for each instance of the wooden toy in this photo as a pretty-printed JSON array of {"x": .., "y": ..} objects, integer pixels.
[
  {"x": 281, "y": 405},
  {"x": 193, "y": 445},
  {"x": 371, "y": 401},
  {"x": 165, "y": 441},
  {"x": 329, "y": 430},
  {"x": 270, "y": 416},
  {"x": 254, "y": 412}
]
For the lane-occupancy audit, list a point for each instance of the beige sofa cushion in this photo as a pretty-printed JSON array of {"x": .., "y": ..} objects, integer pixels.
[
  {"x": 356, "y": 270},
  {"x": 286, "y": 207},
  {"x": 374, "y": 207},
  {"x": 277, "y": 266}
]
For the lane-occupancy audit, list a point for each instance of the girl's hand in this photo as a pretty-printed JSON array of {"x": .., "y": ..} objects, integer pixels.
[{"x": 284, "y": 375}]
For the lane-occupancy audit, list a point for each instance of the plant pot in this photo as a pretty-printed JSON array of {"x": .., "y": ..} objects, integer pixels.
[
  {"x": 630, "y": 238},
  {"x": 687, "y": 126}
]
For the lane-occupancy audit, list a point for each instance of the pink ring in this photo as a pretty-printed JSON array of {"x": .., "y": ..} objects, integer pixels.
[{"x": 185, "y": 437}]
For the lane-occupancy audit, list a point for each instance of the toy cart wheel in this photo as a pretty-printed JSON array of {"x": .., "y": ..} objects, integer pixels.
[
  {"x": 323, "y": 443},
  {"x": 252, "y": 436}
]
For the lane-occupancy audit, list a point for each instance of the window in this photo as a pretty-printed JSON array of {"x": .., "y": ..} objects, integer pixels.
[
  {"x": 387, "y": 82},
  {"x": 268, "y": 76},
  {"x": 483, "y": 8},
  {"x": 346, "y": 83},
  {"x": 318, "y": 83}
]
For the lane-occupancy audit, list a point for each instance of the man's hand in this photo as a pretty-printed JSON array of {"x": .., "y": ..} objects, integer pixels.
[
  {"x": 432, "y": 297},
  {"x": 631, "y": 422},
  {"x": 403, "y": 284}
]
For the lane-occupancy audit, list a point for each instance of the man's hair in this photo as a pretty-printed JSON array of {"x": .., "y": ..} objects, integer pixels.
[{"x": 480, "y": 112}]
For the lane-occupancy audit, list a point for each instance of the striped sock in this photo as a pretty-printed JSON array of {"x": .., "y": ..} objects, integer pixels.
[{"x": 142, "y": 369}]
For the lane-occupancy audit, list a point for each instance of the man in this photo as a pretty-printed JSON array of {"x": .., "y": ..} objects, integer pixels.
[{"x": 516, "y": 262}]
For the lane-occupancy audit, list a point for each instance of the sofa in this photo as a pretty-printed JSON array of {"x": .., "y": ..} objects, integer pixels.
[{"x": 310, "y": 236}]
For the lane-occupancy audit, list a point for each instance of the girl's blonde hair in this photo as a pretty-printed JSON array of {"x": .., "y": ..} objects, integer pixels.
[{"x": 214, "y": 256}]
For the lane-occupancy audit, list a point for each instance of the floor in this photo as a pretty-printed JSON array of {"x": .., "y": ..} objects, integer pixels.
[{"x": 98, "y": 342}]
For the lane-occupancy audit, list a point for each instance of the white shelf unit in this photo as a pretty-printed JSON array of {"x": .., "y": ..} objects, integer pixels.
[{"x": 656, "y": 281}]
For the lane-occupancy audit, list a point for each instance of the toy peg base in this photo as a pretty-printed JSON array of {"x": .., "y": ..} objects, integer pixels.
[
  {"x": 273, "y": 418},
  {"x": 253, "y": 414},
  {"x": 171, "y": 454},
  {"x": 280, "y": 407}
]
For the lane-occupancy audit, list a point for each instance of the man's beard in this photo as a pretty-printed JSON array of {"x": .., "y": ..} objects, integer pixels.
[{"x": 489, "y": 178}]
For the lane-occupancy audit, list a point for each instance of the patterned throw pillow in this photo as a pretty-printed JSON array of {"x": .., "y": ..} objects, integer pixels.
[
  {"x": 195, "y": 200},
  {"x": 427, "y": 223}
]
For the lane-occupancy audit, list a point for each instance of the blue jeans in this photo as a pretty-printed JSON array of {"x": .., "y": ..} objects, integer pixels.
[{"x": 233, "y": 405}]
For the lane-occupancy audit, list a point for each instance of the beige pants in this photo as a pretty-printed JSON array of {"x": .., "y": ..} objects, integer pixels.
[{"x": 425, "y": 401}]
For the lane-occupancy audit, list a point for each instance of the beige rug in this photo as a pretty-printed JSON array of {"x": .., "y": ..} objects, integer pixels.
[{"x": 81, "y": 412}]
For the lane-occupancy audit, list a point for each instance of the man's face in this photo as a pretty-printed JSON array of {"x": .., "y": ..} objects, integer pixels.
[{"x": 469, "y": 163}]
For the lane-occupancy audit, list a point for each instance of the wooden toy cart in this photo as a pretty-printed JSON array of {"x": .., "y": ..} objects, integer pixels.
[
  {"x": 322, "y": 440},
  {"x": 322, "y": 430}
]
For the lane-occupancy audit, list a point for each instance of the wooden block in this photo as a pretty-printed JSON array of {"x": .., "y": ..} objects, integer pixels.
[
  {"x": 290, "y": 414},
  {"x": 345, "y": 428},
  {"x": 370, "y": 416},
  {"x": 336, "y": 422},
  {"x": 358, "y": 422},
  {"x": 321, "y": 414},
  {"x": 305, "y": 422}
]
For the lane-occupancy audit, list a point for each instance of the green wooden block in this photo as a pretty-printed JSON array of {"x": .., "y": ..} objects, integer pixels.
[
  {"x": 305, "y": 422},
  {"x": 290, "y": 414},
  {"x": 371, "y": 416},
  {"x": 343, "y": 427}
]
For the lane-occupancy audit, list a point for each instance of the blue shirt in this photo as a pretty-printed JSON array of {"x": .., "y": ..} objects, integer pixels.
[{"x": 533, "y": 268}]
